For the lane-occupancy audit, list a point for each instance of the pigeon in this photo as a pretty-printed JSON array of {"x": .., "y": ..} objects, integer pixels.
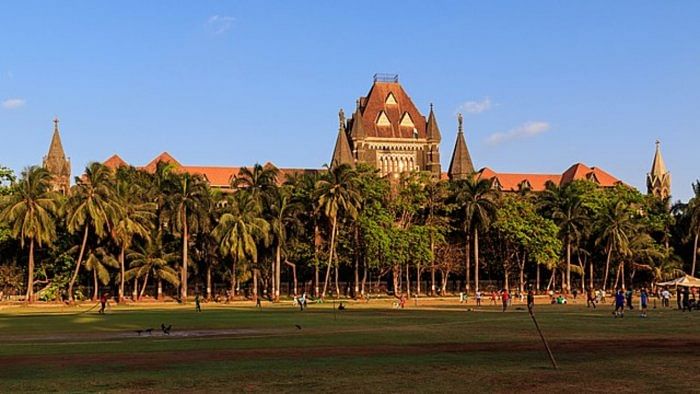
[
  {"x": 297, "y": 326},
  {"x": 166, "y": 330},
  {"x": 149, "y": 331},
  {"x": 139, "y": 332}
]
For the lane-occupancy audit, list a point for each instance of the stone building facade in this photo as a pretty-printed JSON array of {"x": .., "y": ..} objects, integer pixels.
[{"x": 57, "y": 163}]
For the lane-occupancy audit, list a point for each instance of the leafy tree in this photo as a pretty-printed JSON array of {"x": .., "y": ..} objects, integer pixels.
[
  {"x": 150, "y": 260},
  {"x": 476, "y": 198},
  {"x": 92, "y": 205},
  {"x": 616, "y": 228},
  {"x": 29, "y": 210},
  {"x": 282, "y": 217},
  {"x": 97, "y": 263}
]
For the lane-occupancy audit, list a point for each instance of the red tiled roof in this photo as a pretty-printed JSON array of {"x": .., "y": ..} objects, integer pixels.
[
  {"x": 115, "y": 162},
  {"x": 372, "y": 105},
  {"x": 537, "y": 182},
  {"x": 165, "y": 157}
]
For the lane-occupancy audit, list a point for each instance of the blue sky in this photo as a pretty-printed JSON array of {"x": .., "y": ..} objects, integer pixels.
[{"x": 542, "y": 85}]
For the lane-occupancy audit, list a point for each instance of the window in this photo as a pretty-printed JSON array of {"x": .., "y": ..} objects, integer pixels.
[
  {"x": 390, "y": 99},
  {"x": 382, "y": 120},
  {"x": 406, "y": 120}
]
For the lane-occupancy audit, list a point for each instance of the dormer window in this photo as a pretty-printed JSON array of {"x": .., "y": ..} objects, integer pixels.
[
  {"x": 390, "y": 99},
  {"x": 592, "y": 177},
  {"x": 383, "y": 120},
  {"x": 406, "y": 120}
]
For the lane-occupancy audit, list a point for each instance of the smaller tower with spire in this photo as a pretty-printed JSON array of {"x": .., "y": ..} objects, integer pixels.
[
  {"x": 342, "y": 154},
  {"x": 56, "y": 162},
  {"x": 461, "y": 165},
  {"x": 659, "y": 179}
]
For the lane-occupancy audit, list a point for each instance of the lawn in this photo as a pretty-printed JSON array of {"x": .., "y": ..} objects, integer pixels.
[{"x": 436, "y": 346}]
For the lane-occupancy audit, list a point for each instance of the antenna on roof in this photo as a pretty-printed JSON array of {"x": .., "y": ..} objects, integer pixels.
[{"x": 386, "y": 77}]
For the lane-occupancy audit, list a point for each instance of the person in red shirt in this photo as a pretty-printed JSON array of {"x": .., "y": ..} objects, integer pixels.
[
  {"x": 103, "y": 302},
  {"x": 505, "y": 297}
]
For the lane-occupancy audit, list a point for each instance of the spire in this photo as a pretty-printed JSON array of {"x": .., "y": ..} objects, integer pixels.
[
  {"x": 461, "y": 164},
  {"x": 56, "y": 147},
  {"x": 56, "y": 162},
  {"x": 659, "y": 178},
  {"x": 342, "y": 154},
  {"x": 356, "y": 130},
  {"x": 432, "y": 129}
]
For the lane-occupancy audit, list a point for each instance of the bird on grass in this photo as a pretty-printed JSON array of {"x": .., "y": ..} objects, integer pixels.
[
  {"x": 166, "y": 330},
  {"x": 297, "y": 326},
  {"x": 139, "y": 332},
  {"x": 148, "y": 331}
]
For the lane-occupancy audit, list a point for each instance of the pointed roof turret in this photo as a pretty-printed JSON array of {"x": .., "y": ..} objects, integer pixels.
[
  {"x": 461, "y": 164},
  {"x": 56, "y": 162},
  {"x": 432, "y": 129},
  {"x": 659, "y": 178},
  {"x": 342, "y": 154},
  {"x": 357, "y": 132},
  {"x": 56, "y": 147}
]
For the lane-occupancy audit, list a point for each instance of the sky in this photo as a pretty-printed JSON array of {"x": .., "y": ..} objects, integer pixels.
[{"x": 542, "y": 84}]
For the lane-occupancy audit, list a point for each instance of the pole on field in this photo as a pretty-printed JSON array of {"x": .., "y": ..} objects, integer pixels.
[{"x": 544, "y": 341}]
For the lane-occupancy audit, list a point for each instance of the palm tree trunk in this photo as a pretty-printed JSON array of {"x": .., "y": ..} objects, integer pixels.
[
  {"x": 94, "y": 281},
  {"x": 77, "y": 266},
  {"x": 330, "y": 258},
  {"x": 316, "y": 279},
  {"x": 160, "y": 289},
  {"x": 408, "y": 281},
  {"x": 356, "y": 286},
  {"x": 143, "y": 288},
  {"x": 30, "y": 274},
  {"x": 568, "y": 266},
  {"x": 317, "y": 237},
  {"x": 185, "y": 241},
  {"x": 695, "y": 252},
  {"x": 364, "y": 279},
  {"x": 294, "y": 275},
  {"x": 590, "y": 272},
  {"x": 537, "y": 284},
  {"x": 209, "y": 282},
  {"x": 255, "y": 284},
  {"x": 337, "y": 289},
  {"x": 135, "y": 291},
  {"x": 476, "y": 260},
  {"x": 418, "y": 272},
  {"x": 622, "y": 274},
  {"x": 233, "y": 278},
  {"x": 278, "y": 276},
  {"x": 467, "y": 263},
  {"x": 607, "y": 267},
  {"x": 121, "y": 278},
  {"x": 432, "y": 265}
]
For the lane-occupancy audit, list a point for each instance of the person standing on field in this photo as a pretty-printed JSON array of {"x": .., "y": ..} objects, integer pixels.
[
  {"x": 590, "y": 298},
  {"x": 619, "y": 304},
  {"x": 530, "y": 300},
  {"x": 644, "y": 299},
  {"x": 478, "y": 298},
  {"x": 505, "y": 297}
]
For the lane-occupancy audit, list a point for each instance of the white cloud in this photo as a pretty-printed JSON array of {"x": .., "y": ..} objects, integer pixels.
[
  {"x": 220, "y": 23},
  {"x": 13, "y": 103},
  {"x": 526, "y": 130},
  {"x": 475, "y": 107}
]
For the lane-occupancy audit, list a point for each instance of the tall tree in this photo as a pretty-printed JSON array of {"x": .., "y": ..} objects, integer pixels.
[
  {"x": 476, "y": 198},
  {"x": 97, "y": 262},
  {"x": 337, "y": 196},
  {"x": 693, "y": 209},
  {"x": 187, "y": 205},
  {"x": 282, "y": 217},
  {"x": 29, "y": 211},
  {"x": 239, "y": 230},
  {"x": 91, "y": 206},
  {"x": 135, "y": 218},
  {"x": 616, "y": 228},
  {"x": 150, "y": 259}
]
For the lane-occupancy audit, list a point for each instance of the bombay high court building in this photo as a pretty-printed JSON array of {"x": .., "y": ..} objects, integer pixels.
[{"x": 389, "y": 132}]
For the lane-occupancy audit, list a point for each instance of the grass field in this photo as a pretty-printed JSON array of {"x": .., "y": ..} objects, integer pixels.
[{"x": 436, "y": 347}]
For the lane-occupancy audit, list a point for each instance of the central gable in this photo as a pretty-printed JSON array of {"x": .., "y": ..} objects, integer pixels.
[{"x": 388, "y": 112}]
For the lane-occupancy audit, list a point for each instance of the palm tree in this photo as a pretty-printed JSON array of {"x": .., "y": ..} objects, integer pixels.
[
  {"x": 566, "y": 210},
  {"x": 149, "y": 259},
  {"x": 187, "y": 205},
  {"x": 135, "y": 219},
  {"x": 259, "y": 181},
  {"x": 337, "y": 194},
  {"x": 282, "y": 216},
  {"x": 693, "y": 210},
  {"x": 617, "y": 226},
  {"x": 91, "y": 205},
  {"x": 239, "y": 230},
  {"x": 477, "y": 199},
  {"x": 97, "y": 263},
  {"x": 29, "y": 213}
]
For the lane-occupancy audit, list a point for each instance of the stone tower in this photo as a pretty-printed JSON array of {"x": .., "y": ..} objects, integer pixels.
[
  {"x": 461, "y": 165},
  {"x": 56, "y": 162},
  {"x": 659, "y": 178},
  {"x": 388, "y": 131}
]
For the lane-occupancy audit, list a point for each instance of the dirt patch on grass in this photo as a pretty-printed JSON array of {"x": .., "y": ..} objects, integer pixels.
[{"x": 155, "y": 360}]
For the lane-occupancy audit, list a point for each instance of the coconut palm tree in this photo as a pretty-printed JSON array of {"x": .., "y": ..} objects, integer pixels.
[
  {"x": 693, "y": 211},
  {"x": 150, "y": 260},
  {"x": 91, "y": 206},
  {"x": 337, "y": 196},
  {"x": 97, "y": 262},
  {"x": 477, "y": 200},
  {"x": 187, "y": 205},
  {"x": 135, "y": 219},
  {"x": 29, "y": 212},
  {"x": 259, "y": 181},
  {"x": 566, "y": 210},
  {"x": 617, "y": 227},
  {"x": 239, "y": 230},
  {"x": 282, "y": 217}
]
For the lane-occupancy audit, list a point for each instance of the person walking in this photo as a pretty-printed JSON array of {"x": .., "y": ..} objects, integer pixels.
[
  {"x": 643, "y": 299},
  {"x": 686, "y": 299},
  {"x": 619, "y": 304},
  {"x": 628, "y": 298},
  {"x": 505, "y": 297},
  {"x": 665, "y": 297},
  {"x": 197, "y": 307},
  {"x": 590, "y": 298},
  {"x": 679, "y": 299},
  {"x": 530, "y": 300},
  {"x": 302, "y": 301},
  {"x": 478, "y": 298},
  {"x": 103, "y": 303}
]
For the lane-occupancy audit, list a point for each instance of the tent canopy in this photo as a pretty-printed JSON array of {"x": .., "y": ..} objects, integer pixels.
[{"x": 683, "y": 281}]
